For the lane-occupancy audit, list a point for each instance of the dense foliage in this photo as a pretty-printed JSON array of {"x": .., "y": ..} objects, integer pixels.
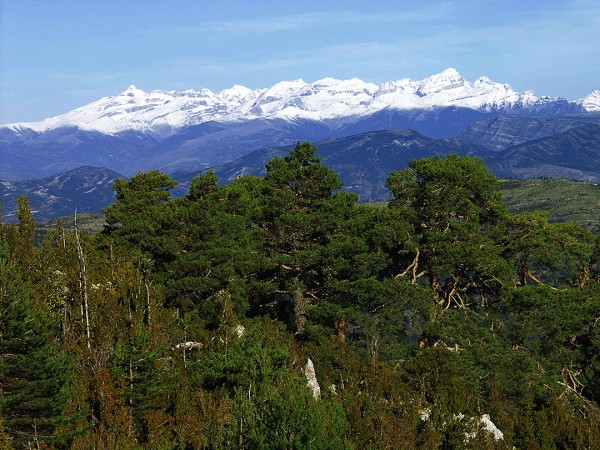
[{"x": 438, "y": 321}]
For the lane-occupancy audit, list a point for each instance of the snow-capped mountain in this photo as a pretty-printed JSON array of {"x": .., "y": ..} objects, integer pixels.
[
  {"x": 193, "y": 130},
  {"x": 591, "y": 103},
  {"x": 162, "y": 113}
]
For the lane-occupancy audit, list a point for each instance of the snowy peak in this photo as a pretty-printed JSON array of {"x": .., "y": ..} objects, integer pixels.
[
  {"x": 483, "y": 81},
  {"x": 446, "y": 80},
  {"x": 161, "y": 113},
  {"x": 133, "y": 91},
  {"x": 324, "y": 99},
  {"x": 237, "y": 93},
  {"x": 591, "y": 103},
  {"x": 450, "y": 73}
]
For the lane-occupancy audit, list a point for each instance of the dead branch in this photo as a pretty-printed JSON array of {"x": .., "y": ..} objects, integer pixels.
[
  {"x": 189, "y": 345},
  {"x": 412, "y": 266},
  {"x": 533, "y": 278}
]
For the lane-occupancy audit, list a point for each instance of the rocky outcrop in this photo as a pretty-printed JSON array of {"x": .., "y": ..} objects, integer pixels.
[{"x": 311, "y": 378}]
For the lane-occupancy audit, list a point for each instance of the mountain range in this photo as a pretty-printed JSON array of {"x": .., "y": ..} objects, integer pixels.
[
  {"x": 163, "y": 113},
  {"x": 364, "y": 161},
  {"x": 174, "y": 131},
  {"x": 364, "y": 130}
]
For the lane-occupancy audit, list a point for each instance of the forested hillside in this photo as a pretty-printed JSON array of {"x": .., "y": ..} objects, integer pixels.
[{"x": 438, "y": 321}]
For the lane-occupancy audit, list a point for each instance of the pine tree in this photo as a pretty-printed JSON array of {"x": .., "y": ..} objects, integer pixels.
[
  {"x": 133, "y": 219},
  {"x": 211, "y": 246},
  {"x": 34, "y": 374},
  {"x": 457, "y": 213},
  {"x": 301, "y": 221}
]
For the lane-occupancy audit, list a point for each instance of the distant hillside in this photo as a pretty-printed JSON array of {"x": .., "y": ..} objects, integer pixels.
[
  {"x": 29, "y": 154},
  {"x": 86, "y": 222},
  {"x": 85, "y": 189},
  {"x": 363, "y": 161},
  {"x": 573, "y": 154},
  {"x": 506, "y": 131},
  {"x": 565, "y": 200}
]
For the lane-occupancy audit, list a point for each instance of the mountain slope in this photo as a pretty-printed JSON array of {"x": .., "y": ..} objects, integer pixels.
[
  {"x": 573, "y": 154},
  {"x": 179, "y": 131},
  {"x": 363, "y": 161},
  {"x": 565, "y": 200},
  {"x": 508, "y": 130},
  {"x": 85, "y": 189},
  {"x": 35, "y": 155},
  {"x": 591, "y": 103},
  {"x": 32, "y": 154}
]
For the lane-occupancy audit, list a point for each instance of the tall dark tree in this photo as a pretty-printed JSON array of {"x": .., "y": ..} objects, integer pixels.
[
  {"x": 212, "y": 245},
  {"x": 540, "y": 249},
  {"x": 20, "y": 237},
  {"x": 302, "y": 215},
  {"x": 34, "y": 374}
]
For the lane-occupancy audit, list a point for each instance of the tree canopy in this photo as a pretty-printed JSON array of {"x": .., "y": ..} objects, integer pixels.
[{"x": 439, "y": 320}]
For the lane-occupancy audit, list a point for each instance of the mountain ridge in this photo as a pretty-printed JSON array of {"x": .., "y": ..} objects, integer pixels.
[
  {"x": 573, "y": 154},
  {"x": 363, "y": 161},
  {"x": 161, "y": 113},
  {"x": 84, "y": 189}
]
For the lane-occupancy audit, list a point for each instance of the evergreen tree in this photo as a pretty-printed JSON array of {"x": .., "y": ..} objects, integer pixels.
[
  {"x": 212, "y": 246},
  {"x": 135, "y": 218},
  {"x": 19, "y": 238},
  {"x": 541, "y": 250},
  {"x": 456, "y": 210},
  {"x": 302, "y": 216},
  {"x": 34, "y": 374}
]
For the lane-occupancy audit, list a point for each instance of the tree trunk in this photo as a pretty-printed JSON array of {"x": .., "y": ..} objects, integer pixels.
[
  {"x": 341, "y": 327},
  {"x": 83, "y": 285},
  {"x": 299, "y": 310}
]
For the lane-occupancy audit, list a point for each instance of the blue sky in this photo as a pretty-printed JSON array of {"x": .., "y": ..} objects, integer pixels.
[{"x": 57, "y": 55}]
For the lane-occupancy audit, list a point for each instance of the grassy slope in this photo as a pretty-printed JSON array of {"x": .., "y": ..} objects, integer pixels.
[{"x": 566, "y": 200}]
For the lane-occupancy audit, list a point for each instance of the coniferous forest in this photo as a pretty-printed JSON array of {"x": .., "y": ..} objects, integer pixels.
[{"x": 438, "y": 321}]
